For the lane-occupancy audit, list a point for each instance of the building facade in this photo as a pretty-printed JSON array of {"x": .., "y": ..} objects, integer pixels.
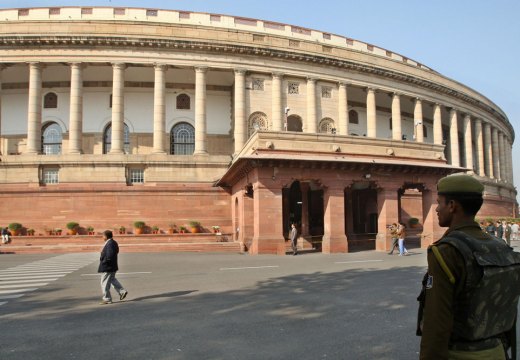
[{"x": 110, "y": 115}]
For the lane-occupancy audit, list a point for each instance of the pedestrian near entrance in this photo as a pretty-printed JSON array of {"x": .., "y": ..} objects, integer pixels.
[
  {"x": 393, "y": 233},
  {"x": 294, "y": 239},
  {"x": 490, "y": 228},
  {"x": 401, "y": 234},
  {"x": 471, "y": 276},
  {"x": 108, "y": 267},
  {"x": 504, "y": 232},
  {"x": 514, "y": 231}
]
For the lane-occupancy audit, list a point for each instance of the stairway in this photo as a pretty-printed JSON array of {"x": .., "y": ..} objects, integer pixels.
[{"x": 127, "y": 243}]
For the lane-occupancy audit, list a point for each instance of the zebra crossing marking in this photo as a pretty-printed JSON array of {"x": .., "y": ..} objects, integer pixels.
[{"x": 16, "y": 281}]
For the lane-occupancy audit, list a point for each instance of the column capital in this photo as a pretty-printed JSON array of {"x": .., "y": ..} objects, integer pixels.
[
  {"x": 119, "y": 66},
  {"x": 452, "y": 110},
  {"x": 240, "y": 71},
  {"x": 36, "y": 65},
  {"x": 79, "y": 65},
  {"x": 201, "y": 69},
  {"x": 418, "y": 99},
  {"x": 311, "y": 79},
  {"x": 396, "y": 94},
  {"x": 467, "y": 116},
  {"x": 478, "y": 121},
  {"x": 277, "y": 75},
  {"x": 371, "y": 89},
  {"x": 343, "y": 84},
  {"x": 160, "y": 66}
]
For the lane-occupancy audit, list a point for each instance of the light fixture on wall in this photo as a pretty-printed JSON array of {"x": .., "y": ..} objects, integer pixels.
[{"x": 367, "y": 176}]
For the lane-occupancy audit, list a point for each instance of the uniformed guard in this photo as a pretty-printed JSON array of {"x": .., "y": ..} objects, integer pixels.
[{"x": 468, "y": 304}]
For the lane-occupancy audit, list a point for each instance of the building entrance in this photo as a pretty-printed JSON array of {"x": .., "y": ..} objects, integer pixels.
[{"x": 303, "y": 205}]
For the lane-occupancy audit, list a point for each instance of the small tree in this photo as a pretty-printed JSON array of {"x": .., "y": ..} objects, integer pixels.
[{"x": 72, "y": 225}]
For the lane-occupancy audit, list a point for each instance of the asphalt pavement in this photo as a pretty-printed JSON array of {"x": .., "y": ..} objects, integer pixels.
[{"x": 212, "y": 306}]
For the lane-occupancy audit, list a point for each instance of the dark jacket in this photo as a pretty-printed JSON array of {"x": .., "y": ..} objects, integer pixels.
[{"x": 108, "y": 259}]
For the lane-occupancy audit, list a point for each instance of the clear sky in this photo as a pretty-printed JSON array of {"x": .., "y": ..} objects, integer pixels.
[{"x": 475, "y": 42}]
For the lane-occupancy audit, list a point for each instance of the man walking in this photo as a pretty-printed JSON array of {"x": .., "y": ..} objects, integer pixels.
[
  {"x": 108, "y": 267},
  {"x": 294, "y": 239},
  {"x": 466, "y": 312}
]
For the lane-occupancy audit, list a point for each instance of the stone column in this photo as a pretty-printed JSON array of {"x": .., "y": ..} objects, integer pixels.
[
  {"x": 34, "y": 121},
  {"x": 76, "y": 109},
  {"x": 488, "y": 151},
  {"x": 2, "y": 67},
  {"x": 312, "y": 122},
  {"x": 304, "y": 188},
  {"x": 159, "y": 108},
  {"x": 431, "y": 229},
  {"x": 468, "y": 143},
  {"x": 388, "y": 213},
  {"x": 418, "y": 121},
  {"x": 334, "y": 238},
  {"x": 496, "y": 153},
  {"x": 454, "y": 138},
  {"x": 509, "y": 150},
  {"x": 200, "y": 111},
  {"x": 371, "y": 113},
  {"x": 118, "y": 109},
  {"x": 502, "y": 155},
  {"x": 342, "y": 109},
  {"x": 397, "y": 132},
  {"x": 268, "y": 228},
  {"x": 277, "y": 110},
  {"x": 437, "y": 125},
  {"x": 240, "y": 110},
  {"x": 479, "y": 138}
]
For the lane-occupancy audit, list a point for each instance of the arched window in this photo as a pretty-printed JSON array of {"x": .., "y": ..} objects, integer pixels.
[
  {"x": 182, "y": 139},
  {"x": 294, "y": 123},
  {"x": 50, "y": 101},
  {"x": 327, "y": 126},
  {"x": 183, "y": 102},
  {"x": 257, "y": 121},
  {"x": 107, "y": 139},
  {"x": 353, "y": 117},
  {"x": 51, "y": 139}
]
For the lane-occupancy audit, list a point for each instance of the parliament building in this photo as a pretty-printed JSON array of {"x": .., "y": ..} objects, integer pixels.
[{"x": 112, "y": 115}]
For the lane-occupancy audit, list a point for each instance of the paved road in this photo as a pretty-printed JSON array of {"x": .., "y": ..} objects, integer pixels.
[{"x": 208, "y": 306}]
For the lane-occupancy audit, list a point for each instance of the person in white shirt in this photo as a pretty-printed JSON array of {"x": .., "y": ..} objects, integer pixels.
[{"x": 514, "y": 231}]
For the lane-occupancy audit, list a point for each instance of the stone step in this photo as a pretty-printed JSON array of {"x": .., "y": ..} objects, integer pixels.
[{"x": 127, "y": 243}]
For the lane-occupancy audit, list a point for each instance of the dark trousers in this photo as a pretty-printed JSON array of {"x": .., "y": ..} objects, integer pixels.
[
  {"x": 294, "y": 244},
  {"x": 395, "y": 244}
]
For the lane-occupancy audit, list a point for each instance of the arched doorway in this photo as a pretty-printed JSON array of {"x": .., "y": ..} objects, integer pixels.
[
  {"x": 303, "y": 206},
  {"x": 361, "y": 215},
  {"x": 411, "y": 212},
  {"x": 294, "y": 123}
]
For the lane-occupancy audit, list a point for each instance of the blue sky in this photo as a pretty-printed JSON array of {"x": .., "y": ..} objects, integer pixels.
[{"x": 473, "y": 42}]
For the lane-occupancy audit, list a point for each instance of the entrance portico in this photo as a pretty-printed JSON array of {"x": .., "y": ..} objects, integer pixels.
[{"x": 338, "y": 201}]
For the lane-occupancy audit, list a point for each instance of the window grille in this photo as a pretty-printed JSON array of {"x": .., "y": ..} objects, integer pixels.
[
  {"x": 258, "y": 84},
  {"x": 50, "y": 101},
  {"x": 50, "y": 176},
  {"x": 182, "y": 139},
  {"x": 183, "y": 102},
  {"x": 326, "y": 92},
  {"x": 51, "y": 139},
  {"x": 293, "y": 88},
  {"x": 136, "y": 176}
]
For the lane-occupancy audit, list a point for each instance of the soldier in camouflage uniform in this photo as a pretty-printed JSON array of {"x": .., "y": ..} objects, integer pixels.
[{"x": 469, "y": 301}]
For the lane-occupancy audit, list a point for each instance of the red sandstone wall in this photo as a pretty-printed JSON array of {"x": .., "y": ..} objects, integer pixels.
[{"x": 108, "y": 206}]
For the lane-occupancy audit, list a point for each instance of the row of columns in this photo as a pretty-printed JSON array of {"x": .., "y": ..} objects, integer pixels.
[{"x": 493, "y": 147}]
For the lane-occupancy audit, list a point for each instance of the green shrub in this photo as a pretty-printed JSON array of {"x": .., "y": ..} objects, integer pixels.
[
  {"x": 72, "y": 225},
  {"x": 139, "y": 224},
  {"x": 15, "y": 226}
]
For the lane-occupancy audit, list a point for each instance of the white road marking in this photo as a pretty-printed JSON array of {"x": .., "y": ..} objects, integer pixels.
[
  {"x": 357, "y": 261},
  {"x": 130, "y": 273},
  {"x": 25, "y": 277},
  {"x": 27, "y": 273},
  {"x": 3, "y": 302},
  {"x": 21, "y": 285},
  {"x": 250, "y": 267},
  {"x": 15, "y": 291},
  {"x": 18, "y": 281}
]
